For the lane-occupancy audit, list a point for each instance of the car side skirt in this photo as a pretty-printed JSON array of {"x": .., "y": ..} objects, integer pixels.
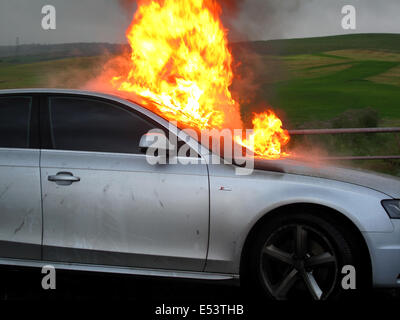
[{"x": 229, "y": 278}]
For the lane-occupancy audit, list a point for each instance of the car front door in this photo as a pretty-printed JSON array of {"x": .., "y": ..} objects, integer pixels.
[
  {"x": 103, "y": 203},
  {"x": 20, "y": 197}
]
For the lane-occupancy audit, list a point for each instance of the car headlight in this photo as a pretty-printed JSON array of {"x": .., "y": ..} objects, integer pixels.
[{"x": 392, "y": 207}]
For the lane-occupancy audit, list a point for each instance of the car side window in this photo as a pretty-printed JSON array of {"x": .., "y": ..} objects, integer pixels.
[
  {"x": 15, "y": 115},
  {"x": 84, "y": 124}
]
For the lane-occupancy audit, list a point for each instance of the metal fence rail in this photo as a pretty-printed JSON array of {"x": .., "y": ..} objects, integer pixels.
[
  {"x": 350, "y": 131},
  {"x": 341, "y": 131}
]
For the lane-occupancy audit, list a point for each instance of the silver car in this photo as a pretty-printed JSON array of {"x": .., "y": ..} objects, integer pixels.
[{"x": 77, "y": 192}]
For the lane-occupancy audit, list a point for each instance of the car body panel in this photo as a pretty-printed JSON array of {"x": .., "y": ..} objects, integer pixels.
[
  {"x": 384, "y": 251},
  {"x": 124, "y": 211},
  {"x": 20, "y": 204},
  {"x": 389, "y": 185}
]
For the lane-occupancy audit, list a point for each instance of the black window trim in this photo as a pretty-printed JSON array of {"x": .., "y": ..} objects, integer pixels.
[{"x": 34, "y": 121}]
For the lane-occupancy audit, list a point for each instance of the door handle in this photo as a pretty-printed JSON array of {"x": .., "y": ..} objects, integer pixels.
[{"x": 63, "y": 178}]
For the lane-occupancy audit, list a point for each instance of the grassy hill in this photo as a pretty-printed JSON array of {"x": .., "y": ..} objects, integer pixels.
[
  {"x": 319, "y": 78},
  {"x": 42, "y": 52},
  {"x": 376, "y": 41},
  {"x": 65, "y": 73},
  {"x": 323, "y": 91}
]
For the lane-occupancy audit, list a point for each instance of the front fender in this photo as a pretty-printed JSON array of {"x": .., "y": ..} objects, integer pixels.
[{"x": 243, "y": 200}]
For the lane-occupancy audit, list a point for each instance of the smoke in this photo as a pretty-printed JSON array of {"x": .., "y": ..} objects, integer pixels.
[
  {"x": 258, "y": 20},
  {"x": 227, "y": 5},
  {"x": 128, "y": 6},
  {"x": 252, "y": 19}
]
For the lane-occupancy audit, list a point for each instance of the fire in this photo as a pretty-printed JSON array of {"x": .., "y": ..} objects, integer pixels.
[
  {"x": 181, "y": 66},
  {"x": 267, "y": 137},
  {"x": 180, "y": 61}
]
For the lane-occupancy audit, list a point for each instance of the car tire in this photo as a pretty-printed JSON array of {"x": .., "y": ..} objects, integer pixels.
[{"x": 300, "y": 255}]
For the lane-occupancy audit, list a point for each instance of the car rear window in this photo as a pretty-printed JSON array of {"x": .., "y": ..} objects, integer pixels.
[{"x": 15, "y": 114}]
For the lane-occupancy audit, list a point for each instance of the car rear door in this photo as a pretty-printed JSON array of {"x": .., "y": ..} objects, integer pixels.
[
  {"x": 20, "y": 196},
  {"x": 103, "y": 203}
]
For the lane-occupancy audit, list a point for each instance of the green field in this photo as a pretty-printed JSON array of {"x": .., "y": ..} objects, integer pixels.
[
  {"x": 311, "y": 83},
  {"x": 62, "y": 73},
  {"x": 319, "y": 78}
]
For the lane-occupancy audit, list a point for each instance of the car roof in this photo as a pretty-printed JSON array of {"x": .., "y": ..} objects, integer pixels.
[{"x": 111, "y": 95}]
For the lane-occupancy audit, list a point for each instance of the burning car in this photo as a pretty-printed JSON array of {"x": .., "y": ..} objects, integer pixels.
[{"x": 77, "y": 192}]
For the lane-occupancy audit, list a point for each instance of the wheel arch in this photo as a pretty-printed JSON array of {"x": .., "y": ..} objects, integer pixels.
[{"x": 330, "y": 214}]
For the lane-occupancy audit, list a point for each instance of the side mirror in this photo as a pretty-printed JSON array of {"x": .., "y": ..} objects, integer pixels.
[{"x": 156, "y": 143}]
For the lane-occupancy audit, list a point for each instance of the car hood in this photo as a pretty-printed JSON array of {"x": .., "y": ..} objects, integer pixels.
[{"x": 380, "y": 182}]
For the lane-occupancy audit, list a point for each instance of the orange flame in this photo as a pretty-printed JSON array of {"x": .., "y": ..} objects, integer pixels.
[
  {"x": 181, "y": 66},
  {"x": 268, "y": 136}
]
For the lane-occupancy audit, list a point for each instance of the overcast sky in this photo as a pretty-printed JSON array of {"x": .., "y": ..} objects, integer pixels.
[{"x": 106, "y": 20}]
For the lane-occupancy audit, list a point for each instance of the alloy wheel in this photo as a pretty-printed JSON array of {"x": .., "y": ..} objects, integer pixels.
[{"x": 298, "y": 261}]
